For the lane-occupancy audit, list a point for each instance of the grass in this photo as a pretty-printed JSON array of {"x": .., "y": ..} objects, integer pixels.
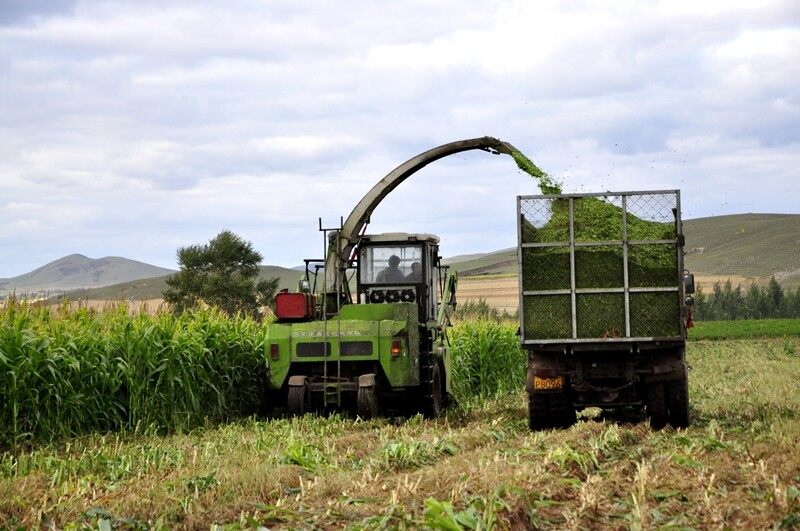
[
  {"x": 756, "y": 328},
  {"x": 477, "y": 468}
]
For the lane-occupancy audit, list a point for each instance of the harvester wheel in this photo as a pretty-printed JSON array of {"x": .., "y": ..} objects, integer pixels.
[
  {"x": 299, "y": 400},
  {"x": 656, "y": 406},
  {"x": 367, "y": 404},
  {"x": 435, "y": 393},
  {"x": 550, "y": 410},
  {"x": 677, "y": 398}
]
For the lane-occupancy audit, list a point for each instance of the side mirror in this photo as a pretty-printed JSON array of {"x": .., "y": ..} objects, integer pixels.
[
  {"x": 303, "y": 286},
  {"x": 689, "y": 300},
  {"x": 688, "y": 283}
]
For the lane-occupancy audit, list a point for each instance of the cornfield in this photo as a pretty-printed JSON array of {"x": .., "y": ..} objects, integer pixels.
[
  {"x": 487, "y": 359},
  {"x": 65, "y": 372}
]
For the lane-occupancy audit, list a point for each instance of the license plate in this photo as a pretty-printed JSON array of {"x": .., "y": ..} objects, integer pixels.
[{"x": 548, "y": 383}]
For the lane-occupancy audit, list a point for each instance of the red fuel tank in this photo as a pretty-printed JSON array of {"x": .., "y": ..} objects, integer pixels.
[{"x": 295, "y": 306}]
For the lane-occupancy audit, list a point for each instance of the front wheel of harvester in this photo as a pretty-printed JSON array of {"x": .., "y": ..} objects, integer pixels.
[
  {"x": 299, "y": 399},
  {"x": 367, "y": 402},
  {"x": 434, "y": 399},
  {"x": 677, "y": 399},
  {"x": 656, "y": 405}
]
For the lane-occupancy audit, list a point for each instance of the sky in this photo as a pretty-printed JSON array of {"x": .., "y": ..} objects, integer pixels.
[{"x": 134, "y": 128}]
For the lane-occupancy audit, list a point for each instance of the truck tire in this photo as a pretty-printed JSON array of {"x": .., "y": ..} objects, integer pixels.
[
  {"x": 655, "y": 405},
  {"x": 299, "y": 399},
  {"x": 677, "y": 398},
  {"x": 367, "y": 402},
  {"x": 550, "y": 410}
]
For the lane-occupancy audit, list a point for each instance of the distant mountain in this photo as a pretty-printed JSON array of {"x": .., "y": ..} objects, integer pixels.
[
  {"x": 153, "y": 288},
  {"x": 78, "y": 271}
]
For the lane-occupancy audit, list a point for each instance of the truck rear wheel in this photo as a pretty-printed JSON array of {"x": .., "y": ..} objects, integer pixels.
[
  {"x": 656, "y": 406},
  {"x": 677, "y": 398},
  {"x": 550, "y": 410},
  {"x": 299, "y": 399}
]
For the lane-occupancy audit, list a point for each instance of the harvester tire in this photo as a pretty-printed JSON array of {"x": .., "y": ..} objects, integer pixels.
[
  {"x": 434, "y": 405},
  {"x": 299, "y": 399},
  {"x": 550, "y": 410},
  {"x": 677, "y": 401},
  {"x": 367, "y": 403},
  {"x": 656, "y": 405}
]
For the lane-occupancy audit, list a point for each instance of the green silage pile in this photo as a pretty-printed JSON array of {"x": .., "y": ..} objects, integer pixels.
[{"x": 598, "y": 315}]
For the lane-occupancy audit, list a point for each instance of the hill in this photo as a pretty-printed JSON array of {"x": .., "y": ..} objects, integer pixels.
[
  {"x": 497, "y": 262},
  {"x": 152, "y": 288},
  {"x": 754, "y": 246},
  {"x": 78, "y": 271}
]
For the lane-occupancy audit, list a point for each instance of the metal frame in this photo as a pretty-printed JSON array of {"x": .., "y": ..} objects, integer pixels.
[{"x": 624, "y": 243}]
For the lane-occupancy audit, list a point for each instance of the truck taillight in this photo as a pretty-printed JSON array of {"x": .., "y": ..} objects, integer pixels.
[
  {"x": 274, "y": 351},
  {"x": 396, "y": 348}
]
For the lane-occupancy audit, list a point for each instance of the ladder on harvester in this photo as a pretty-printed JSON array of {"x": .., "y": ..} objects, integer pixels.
[{"x": 331, "y": 391}]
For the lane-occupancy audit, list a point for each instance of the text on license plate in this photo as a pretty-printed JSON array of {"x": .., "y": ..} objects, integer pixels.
[{"x": 548, "y": 383}]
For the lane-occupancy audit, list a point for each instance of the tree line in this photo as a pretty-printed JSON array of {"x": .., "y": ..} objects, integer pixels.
[{"x": 726, "y": 303}]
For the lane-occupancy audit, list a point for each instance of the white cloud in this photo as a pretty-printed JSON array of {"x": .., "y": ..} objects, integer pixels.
[{"x": 132, "y": 128}]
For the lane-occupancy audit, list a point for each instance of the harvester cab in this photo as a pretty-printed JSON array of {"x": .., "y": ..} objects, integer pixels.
[{"x": 400, "y": 267}]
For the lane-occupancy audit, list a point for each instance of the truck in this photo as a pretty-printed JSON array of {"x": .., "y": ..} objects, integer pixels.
[
  {"x": 604, "y": 304},
  {"x": 368, "y": 325}
]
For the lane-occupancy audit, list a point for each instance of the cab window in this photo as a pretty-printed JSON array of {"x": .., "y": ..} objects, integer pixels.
[{"x": 391, "y": 264}]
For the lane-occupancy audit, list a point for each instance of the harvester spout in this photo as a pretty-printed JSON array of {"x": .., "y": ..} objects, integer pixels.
[{"x": 343, "y": 242}]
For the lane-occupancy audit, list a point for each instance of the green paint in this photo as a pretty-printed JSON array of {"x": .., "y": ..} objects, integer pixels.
[
  {"x": 547, "y": 184},
  {"x": 379, "y": 324}
]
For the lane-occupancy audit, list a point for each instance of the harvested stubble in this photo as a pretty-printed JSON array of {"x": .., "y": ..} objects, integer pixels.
[
  {"x": 64, "y": 373},
  {"x": 598, "y": 315},
  {"x": 480, "y": 467}
]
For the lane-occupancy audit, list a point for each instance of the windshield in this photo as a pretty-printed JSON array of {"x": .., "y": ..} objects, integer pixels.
[{"x": 391, "y": 264}]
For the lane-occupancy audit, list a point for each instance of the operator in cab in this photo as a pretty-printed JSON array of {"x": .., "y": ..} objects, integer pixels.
[
  {"x": 416, "y": 273},
  {"x": 392, "y": 273}
]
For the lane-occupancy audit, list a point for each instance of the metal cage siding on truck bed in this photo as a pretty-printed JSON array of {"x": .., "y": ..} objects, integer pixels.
[{"x": 600, "y": 267}]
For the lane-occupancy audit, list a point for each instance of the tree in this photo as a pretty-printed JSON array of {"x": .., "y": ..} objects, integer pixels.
[
  {"x": 776, "y": 298},
  {"x": 223, "y": 273}
]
